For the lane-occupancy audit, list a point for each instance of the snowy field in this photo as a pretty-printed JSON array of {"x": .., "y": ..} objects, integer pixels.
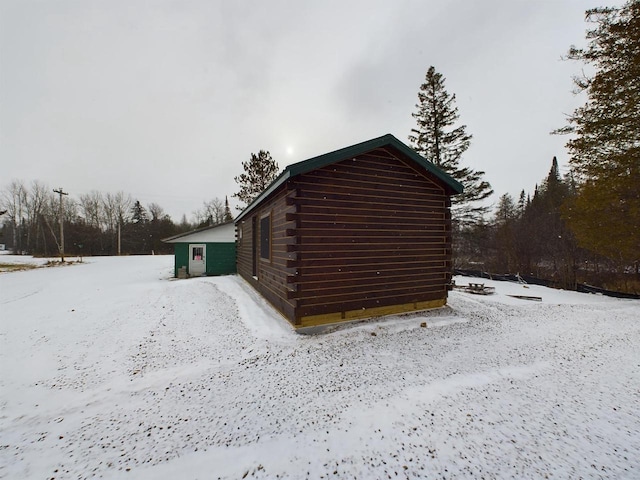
[{"x": 110, "y": 369}]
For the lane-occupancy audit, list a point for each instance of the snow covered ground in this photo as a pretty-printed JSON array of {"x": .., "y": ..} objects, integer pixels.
[{"x": 110, "y": 369}]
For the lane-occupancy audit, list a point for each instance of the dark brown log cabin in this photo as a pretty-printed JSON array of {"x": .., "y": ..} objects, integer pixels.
[{"x": 360, "y": 232}]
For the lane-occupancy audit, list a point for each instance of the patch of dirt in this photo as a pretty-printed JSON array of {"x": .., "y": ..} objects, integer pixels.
[{"x": 12, "y": 267}]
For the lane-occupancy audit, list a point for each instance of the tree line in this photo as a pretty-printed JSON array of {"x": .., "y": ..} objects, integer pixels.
[
  {"x": 584, "y": 226},
  {"x": 94, "y": 223}
]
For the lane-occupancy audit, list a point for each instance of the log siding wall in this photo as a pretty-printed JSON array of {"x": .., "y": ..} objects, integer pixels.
[
  {"x": 272, "y": 274},
  {"x": 371, "y": 232},
  {"x": 365, "y": 236}
]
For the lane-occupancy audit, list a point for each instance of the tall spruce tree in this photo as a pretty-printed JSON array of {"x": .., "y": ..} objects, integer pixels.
[
  {"x": 228, "y": 216},
  {"x": 438, "y": 139},
  {"x": 259, "y": 172},
  {"x": 505, "y": 234},
  {"x": 139, "y": 213},
  {"x": 135, "y": 235},
  {"x": 605, "y": 143}
]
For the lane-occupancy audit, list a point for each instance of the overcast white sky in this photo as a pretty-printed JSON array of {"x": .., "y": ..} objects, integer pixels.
[{"x": 165, "y": 99}]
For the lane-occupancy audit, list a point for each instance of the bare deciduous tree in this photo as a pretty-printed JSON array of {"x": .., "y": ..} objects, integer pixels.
[
  {"x": 117, "y": 209},
  {"x": 36, "y": 200},
  {"x": 91, "y": 206},
  {"x": 14, "y": 199},
  {"x": 156, "y": 211},
  {"x": 212, "y": 212}
]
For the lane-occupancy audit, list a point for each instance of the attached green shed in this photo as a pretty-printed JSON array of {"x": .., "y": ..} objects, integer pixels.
[{"x": 206, "y": 251}]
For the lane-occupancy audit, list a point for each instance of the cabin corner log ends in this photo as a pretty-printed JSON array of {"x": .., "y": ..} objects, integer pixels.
[{"x": 361, "y": 232}]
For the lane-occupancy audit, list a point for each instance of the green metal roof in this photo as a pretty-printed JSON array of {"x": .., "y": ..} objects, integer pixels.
[{"x": 350, "y": 152}]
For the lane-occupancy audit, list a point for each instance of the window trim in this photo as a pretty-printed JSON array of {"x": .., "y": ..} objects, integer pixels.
[{"x": 269, "y": 238}]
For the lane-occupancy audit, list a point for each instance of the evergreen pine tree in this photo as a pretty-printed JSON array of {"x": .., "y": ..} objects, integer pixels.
[
  {"x": 438, "y": 140},
  {"x": 522, "y": 202},
  {"x": 506, "y": 210},
  {"x": 259, "y": 172},
  {"x": 544, "y": 244},
  {"x": 555, "y": 189},
  {"x": 139, "y": 213},
  {"x": 135, "y": 236},
  {"x": 605, "y": 148},
  {"x": 504, "y": 224},
  {"x": 228, "y": 217}
]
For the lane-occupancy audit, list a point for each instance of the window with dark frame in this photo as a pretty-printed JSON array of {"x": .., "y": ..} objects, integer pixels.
[{"x": 265, "y": 237}]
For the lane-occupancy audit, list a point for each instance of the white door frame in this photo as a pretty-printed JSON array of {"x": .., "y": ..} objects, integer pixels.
[{"x": 197, "y": 262}]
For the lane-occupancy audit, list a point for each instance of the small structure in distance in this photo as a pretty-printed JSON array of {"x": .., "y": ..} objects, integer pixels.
[{"x": 205, "y": 251}]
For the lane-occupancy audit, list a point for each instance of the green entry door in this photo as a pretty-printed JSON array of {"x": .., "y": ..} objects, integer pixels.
[{"x": 197, "y": 259}]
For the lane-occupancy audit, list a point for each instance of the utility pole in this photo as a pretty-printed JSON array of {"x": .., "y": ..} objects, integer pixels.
[{"x": 61, "y": 193}]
